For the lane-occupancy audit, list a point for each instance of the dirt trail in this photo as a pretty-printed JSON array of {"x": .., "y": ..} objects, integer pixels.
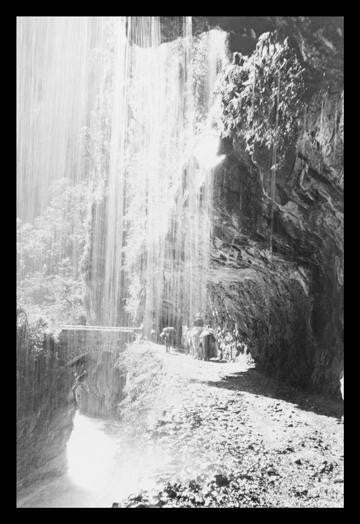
[{"x": 232, "y": 438}]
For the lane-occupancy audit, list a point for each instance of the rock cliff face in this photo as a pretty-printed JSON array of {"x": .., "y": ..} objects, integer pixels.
[
  {"x": 56, "y": 376},
  {"x": 102, "y": 389},
  {"x": 278, "y": 233},
  {"x": 277, "y": 253},
  {"x": 277, "y": 245},
  {"x": 45, "y": 408}
]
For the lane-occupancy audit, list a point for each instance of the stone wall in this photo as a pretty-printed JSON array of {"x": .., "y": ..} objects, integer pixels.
[{"x": 79, "y": 340}]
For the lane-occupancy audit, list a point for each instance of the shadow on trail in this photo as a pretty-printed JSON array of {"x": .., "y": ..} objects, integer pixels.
[
  {"x": 180, "y": 353},
  {"x": 257, "y": 384}
]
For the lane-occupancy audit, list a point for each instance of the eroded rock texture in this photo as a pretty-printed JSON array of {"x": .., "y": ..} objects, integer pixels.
[
  {"x": 101, "y": 389},
  {"x": 278, "y": 241},
  {"x": 45, "y": 409}
]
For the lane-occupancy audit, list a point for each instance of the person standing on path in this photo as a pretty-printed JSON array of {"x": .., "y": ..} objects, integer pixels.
[{"x": 168, "y": 335}]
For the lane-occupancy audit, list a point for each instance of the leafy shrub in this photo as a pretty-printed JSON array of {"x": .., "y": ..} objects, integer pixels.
[
  {"x": 263, "y": 98},
  {"x": 36, "y": 355},
  {"x": 49, "y": 253}
]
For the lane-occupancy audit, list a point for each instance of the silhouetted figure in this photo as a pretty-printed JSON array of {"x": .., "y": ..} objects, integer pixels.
[
  {"x": 139, "y": 333},
  {"x": 153, "y": 333},
  {"x": 168, "y": 335},
  {"x": 198, "y": 320},
  {"x": 207, "y": 346},
  {"x": 82, "y": 320}
]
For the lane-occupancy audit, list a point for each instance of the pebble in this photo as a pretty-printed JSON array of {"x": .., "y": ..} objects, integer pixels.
[{"x": 226, "y": 439}]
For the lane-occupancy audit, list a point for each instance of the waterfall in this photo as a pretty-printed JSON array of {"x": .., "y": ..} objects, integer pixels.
[
  {"x": 52, "y": 55},
  {"x": 103, "y": 103}
]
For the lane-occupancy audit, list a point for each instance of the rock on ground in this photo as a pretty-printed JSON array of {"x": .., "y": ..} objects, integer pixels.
[{"x": 225, "y": 436}]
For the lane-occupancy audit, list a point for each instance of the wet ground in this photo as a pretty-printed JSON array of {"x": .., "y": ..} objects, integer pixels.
[
  {"x": 203, "y": 434},
  {"x": 236, "y": 439}
]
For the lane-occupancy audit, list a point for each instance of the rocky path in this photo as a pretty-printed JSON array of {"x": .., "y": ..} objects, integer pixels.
[{"x": 225, "y": 436}]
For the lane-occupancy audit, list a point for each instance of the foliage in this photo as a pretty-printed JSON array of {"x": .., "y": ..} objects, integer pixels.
[
  {"x": 35, "y": 352},
  {"x": 230, "y": 343},
  {"x": 49, "y": 253},
  {"x": 263, "y": 98},
  {"x": 33, "y": 331}
]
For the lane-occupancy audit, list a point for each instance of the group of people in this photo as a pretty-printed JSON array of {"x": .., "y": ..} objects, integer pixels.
[
  {"x": 223, "y": 342},
  {"x": 230, "y": 344},
  {"x": 167, "y": 336}
]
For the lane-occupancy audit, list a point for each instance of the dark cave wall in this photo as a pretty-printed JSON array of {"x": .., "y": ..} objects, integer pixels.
[
  {"x": 289, "y": 305},
  {"x": 268, "y": 296}
]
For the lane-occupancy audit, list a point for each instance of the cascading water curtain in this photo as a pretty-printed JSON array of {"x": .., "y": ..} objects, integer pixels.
[
  {"x": 52, "y": 102},
  {"x": 103, "y": 104},
  {"x": 170, "y": 191},
  {"x": 52, "y": 54}
]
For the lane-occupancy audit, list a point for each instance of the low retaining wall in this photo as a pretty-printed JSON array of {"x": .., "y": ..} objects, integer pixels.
[{"x": 78, "y": 340}]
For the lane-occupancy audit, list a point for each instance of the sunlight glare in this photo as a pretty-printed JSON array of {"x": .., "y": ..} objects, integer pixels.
[
  {"x": 90, "y": 454},
  {"x": 206, "y": 150}
]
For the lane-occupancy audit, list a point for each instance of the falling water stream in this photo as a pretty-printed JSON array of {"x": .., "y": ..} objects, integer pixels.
[
  {"x": 102, "y": 467},
  {"x": 104, "y": 105}
]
